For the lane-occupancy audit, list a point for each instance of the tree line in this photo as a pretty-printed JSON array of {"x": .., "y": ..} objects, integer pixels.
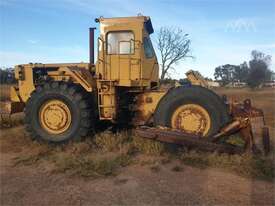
[{"x": 253, "y": 73}]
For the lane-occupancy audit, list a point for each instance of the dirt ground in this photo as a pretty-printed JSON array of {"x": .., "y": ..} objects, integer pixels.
[{"x": 135, "y": 184}]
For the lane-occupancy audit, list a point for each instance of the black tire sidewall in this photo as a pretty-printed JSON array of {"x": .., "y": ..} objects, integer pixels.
[
  {"x": 41, "y": 99},
  {"x": 79, "y": 103},
  {"x": 191, "y": 95}
]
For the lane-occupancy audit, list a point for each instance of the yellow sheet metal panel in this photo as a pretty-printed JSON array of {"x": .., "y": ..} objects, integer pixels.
[
  {"x": 107, "y": 105},
  {"x": 146, "y": 105},
  {"x": 78, "y": 75},
  {"x": 26, "y": 85},
  {"x": 77, "y": 72},
  {"x": 14, "y": 97},
  {"x": 126, "y": 65},
  {"x": 81, "y": 64}
]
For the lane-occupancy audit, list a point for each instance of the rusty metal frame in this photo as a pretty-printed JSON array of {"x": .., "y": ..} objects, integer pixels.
[{"x": 242, "y": 114}]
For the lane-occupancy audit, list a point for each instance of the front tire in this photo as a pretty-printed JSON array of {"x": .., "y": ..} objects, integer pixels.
[
  {"x": 58, "y": 112},
  {"x": 194, "y": 110}
]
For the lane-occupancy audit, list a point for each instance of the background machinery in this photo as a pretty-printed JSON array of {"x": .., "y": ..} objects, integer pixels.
[{"x": 63, "y": 102}]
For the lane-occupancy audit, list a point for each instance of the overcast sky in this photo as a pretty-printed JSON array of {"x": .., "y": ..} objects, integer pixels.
[{"x": 222, "y": 31}]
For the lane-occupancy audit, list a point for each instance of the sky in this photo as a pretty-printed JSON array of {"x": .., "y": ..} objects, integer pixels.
[{"x": 54, "y": 31}]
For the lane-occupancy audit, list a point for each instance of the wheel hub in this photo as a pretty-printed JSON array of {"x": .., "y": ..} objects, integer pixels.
[
  {"x": 55, "y": 116},
  {"x": 191, "y": 118}
]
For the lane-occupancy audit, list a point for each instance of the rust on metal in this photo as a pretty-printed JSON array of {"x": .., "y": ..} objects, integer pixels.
[
  {"x": 251, "y": 123},
  {"x": 178, "y": 137},
  {"x": 191, "y": 118},
  {"x": 247, "y": 120},
  {"x": 8, "y": 107},
  {"x": 245, "y": 109},
  {"x": 232, "y": 127},
  {"x": 266, "y": 140}
]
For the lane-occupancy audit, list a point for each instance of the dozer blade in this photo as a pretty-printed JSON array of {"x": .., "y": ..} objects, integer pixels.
[
  {"x": 254, "y": 132},
  {"x": 178, "y": 137},
  {"x": 246, "y": 120},
  {"x": 8, "y": 108}
]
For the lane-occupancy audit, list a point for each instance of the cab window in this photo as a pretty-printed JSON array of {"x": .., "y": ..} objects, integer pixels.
[
  {"x": 120, "y": 42},
  {"x": 148, "y": 47}
]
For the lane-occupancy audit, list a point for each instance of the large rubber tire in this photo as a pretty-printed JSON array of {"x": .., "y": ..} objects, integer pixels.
[
  {"x": 197, "y": 95},
  {"x": 79, "y": 104}
]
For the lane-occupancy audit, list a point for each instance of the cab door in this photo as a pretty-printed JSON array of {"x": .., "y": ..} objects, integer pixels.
[{"x": 122, "y": 59}]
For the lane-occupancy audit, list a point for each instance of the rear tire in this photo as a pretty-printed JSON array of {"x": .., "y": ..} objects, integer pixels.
[
  {"x": 208, "y": 106},
  {"x": 58, "y": 112}
]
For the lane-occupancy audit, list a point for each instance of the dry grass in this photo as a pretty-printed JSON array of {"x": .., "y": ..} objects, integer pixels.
[
  {"x": 95, "y": 157},
  {"x": 90, "y": 165},
  {"x": 245, "y": 165},
  {"x": 83, "y": 159},
  {"x": 106, "y": 153}
]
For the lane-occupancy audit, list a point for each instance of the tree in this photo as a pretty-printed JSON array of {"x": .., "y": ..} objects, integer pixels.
[
  {"x": 225, "y": 73},
  {"x": 256, "y": 73},
  {"x": 259, "y": 71},
  {"x": 174, "y": 46},
  {"x": 241, "y": 72}
]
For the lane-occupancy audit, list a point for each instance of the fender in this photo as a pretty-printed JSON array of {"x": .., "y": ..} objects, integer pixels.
[
  {"x": 28, "y": 74},
  {"x": 78, "y": 75}
]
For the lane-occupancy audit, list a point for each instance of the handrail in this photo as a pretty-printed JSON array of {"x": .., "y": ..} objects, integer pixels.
[{"x": 100, "y": 42}]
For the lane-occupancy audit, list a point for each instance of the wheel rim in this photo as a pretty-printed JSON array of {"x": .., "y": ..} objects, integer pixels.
[
  {"x": 55, "y": 116},
  {"x": 192, "y": 119}
]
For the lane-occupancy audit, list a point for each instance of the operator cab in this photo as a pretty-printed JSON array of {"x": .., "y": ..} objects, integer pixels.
[{"x": 125, "y": 52}]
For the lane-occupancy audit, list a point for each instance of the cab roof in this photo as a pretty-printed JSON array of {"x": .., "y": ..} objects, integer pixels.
[{"x": 146, "y": 19}]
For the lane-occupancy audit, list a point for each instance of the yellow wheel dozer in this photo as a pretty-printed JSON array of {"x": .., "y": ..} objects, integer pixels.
[{"x": 62, "y": 102}]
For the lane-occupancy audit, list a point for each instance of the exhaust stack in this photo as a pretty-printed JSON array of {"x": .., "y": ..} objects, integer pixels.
[{"x": 92, "y": 43}]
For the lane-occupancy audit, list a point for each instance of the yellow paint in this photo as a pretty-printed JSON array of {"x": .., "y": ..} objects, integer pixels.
[
  {"x": 106, "y": 100},
  {"x": 146, "y": 105},
  {"x": 26, "y": 85},
  {"x": 14, "y": 97},
  {"x": 78, "y": 75},
  {"x": 55, "y": 117},
  {"x": 134, "y": 69},
  {"x": 126, "y": 69},
  {"x": 196, "y": 78},
  {"x": 191, "y": 118}
]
